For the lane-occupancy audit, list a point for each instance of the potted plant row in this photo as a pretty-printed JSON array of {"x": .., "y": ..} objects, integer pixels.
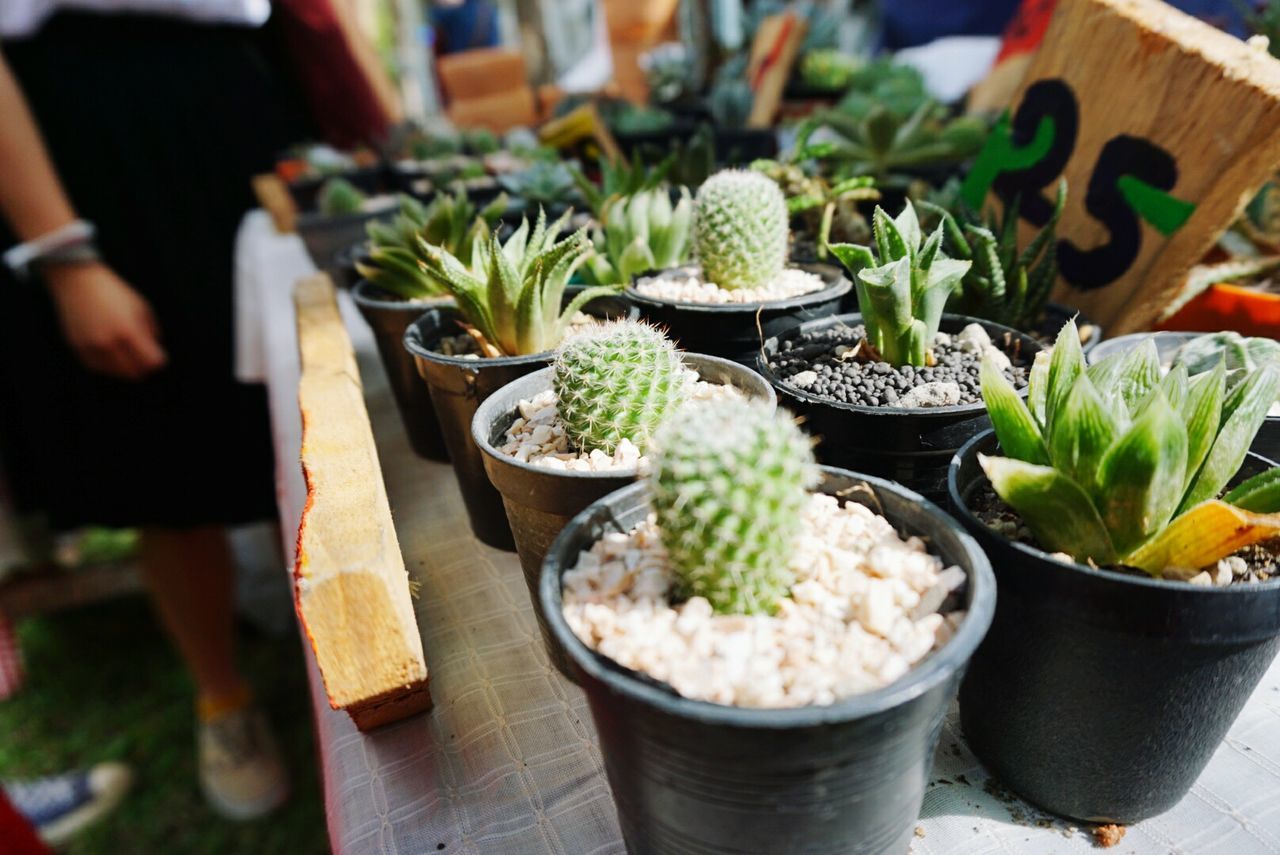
[
  {"x": 740, "y": 290},
  {"x": 894, "y": 391},
  {"x": 1136, "y": 545},
  {"x": 563, "y": 437},
  {"x": 767, "y": 648}
]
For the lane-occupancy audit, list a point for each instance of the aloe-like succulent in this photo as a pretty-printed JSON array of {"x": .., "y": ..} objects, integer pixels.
[
  {"x": 902, "y": 297},
  {"x": 640, "y": 233},
  {"x": 617, "y": 381},
  {"x": 541, "y": 183},
  {"x": 740, "y": 229},
  {"x": 1115, "y": 464},
  {"x": 1005, "y": 284},
  {"x": 730, "y": 480},
  {"x": 621, "y": 178},
  {"x": 451, "y": 222},
  {"x": 1237, "y": 352},
  {"x": 511, "y": 293},
  {"x": 339, "y": 196}
]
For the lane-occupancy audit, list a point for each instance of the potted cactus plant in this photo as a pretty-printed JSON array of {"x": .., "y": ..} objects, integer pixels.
[
  {"x": 740, "y": 290},
  {"x": 341, "y": 213},
  {"x": 732, "y": 625},
  {"x": 1136, "y": 545},
  {"x": 512, "y": 309},
  {"x": 395, "y": 289},
  {"x": 893, "y": 390},
  {"x": 563, "y": 437}
]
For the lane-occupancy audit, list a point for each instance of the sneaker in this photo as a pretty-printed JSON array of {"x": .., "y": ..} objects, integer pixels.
[
  {"x": 59, "y": 806},
  {"x": 241, "y": 773}
]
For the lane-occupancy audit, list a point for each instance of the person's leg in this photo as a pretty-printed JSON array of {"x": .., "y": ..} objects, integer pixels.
[{"x": 190, "y": 576}]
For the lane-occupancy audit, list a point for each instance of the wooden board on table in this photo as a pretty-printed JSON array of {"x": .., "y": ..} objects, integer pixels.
[
  {"x": 351, "y": 586},
  {"x": 1162, "y": 125}
]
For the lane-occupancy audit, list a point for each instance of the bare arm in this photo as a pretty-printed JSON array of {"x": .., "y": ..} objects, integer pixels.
[{"x": 107, "y": 323}]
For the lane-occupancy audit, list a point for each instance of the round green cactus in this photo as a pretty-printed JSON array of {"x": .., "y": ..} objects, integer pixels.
[
  {"x": 740, "y": 229},
  {"x": 730, "y": 481},
  {"x": 617, "y": 381}
]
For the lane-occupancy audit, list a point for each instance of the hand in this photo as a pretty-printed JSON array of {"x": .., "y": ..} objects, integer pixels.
[{"x": 107, "y": 323}]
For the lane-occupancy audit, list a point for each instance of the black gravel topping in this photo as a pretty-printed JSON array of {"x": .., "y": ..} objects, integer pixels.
[{"x": 879, "y": 384}]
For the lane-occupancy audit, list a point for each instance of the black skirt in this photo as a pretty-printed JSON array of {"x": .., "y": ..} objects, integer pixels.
[{"x": 155, "y": 126}]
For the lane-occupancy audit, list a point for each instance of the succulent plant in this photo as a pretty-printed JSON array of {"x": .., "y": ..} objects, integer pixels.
[
  {"x": 902, "y": 298},
  {"x": 740, "y": 229},
  {"x": 626, "y": 177},
  {"x": 617, "y": 381},
  {"x": 1235, "y": 351},
  {"x": 1003, "y": 285},
  {"x": 541, "y": 183},
  {"x": 828, "y": 69},
  {"x": 480, "y": 141},
  {"x": 339, "y": 196},
  {"x": 730, "y": 102},
  {"x": 451, "y": 222},
  {"x": 825, "y": 209},
  {"x": 897, "y": 87},
  {"x": 640, "y": 233},
  {"x": 1116, "y": 465},
  {"x": 511, "y": 293},
  {"x": 730, "y": 480}
]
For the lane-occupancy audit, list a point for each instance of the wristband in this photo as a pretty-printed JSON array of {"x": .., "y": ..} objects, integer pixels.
[{"x": 70, "y": 243}]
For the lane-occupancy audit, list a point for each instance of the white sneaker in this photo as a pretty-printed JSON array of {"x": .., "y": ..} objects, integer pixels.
[{"x": 241, "y": 773}]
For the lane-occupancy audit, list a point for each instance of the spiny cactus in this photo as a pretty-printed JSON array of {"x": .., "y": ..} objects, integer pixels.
[
  {"x": 339, "y": 196},
  {"x": 740, "y": 229},
  {"x": 617, "y": 381},
  {"x": 730, "y": 481}
]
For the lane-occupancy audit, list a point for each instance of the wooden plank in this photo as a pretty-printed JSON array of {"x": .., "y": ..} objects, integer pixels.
[
  {"x": 351, "y": 586},
  {"x": 1163, "y": 127},
  {"x": 773, "y": 53},
  {"x": 276, "y": 200}
]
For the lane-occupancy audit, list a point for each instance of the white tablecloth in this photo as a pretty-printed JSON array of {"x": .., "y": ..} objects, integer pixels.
[{"x": 507, "y": 761}]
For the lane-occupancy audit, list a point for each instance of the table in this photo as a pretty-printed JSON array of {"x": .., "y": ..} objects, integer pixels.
[{"x": 507, "y": 761}]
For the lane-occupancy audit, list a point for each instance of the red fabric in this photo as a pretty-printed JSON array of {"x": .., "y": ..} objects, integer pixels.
[
  {"x": 16, "y": 835},
  {"x": 11, "y": 671},
  {"x": 340, "y": 99}
]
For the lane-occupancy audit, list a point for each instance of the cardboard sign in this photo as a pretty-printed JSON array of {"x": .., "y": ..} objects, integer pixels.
[{"x": 1162, "y": 125}]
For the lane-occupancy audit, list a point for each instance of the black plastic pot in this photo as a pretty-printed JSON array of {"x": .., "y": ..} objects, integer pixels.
[
  {"x": 343, "y": 267},
  {"x": 1099, "y": 695},
  {"x": 912, "y": 446},
  {"x": 690, "y": 776},
  {"x": 1266, "y": 443},
  {"x": 540, "y": 501},
  {"x": 458, "y": 386},
  {"x": 367, "y": 179},
  {"x": 324, "y": 235},
  {"x": 389, "y": 317},
  {"x": 736, "y": 330}
]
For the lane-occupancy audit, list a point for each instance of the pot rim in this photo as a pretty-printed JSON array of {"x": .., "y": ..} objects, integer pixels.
[
  {"x": 1036, "y": 553},
  {"x": 366, "y": 293},
  {"x": 540, "y": 381},
  {"x": 838, "y": 287},
  {"x": 925, "y": 676},
  {"x": 977, "y": 408}
]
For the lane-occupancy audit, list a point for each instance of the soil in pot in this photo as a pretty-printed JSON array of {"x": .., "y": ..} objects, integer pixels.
[
  {"x": 1101, "y": 695},
  {"x": 389, "y": 316},
  {"x": 809, "y": 730},
  {"x": 902, "y": 423},
  {"x": 544, "y": 482}
]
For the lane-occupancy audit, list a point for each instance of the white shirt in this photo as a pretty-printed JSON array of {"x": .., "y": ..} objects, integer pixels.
[{"x": 20, "y": 18}]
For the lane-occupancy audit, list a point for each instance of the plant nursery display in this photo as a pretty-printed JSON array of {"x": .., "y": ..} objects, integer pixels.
[
  {"x": 1138, "y": 532},
  {"x": 741, "y": 285},
  {"x": 559, "y": 439},
  {"x": 853, "y": 623}
]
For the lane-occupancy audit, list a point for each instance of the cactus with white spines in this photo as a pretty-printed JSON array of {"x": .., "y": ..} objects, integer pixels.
[{"x": 740, "y": 229}]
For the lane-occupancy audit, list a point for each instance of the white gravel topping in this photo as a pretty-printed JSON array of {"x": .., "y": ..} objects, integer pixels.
[
  {"x": 686, "y": 285},
  {"x": 538, "y": 435},
  {"x": 863, "y": 610}
]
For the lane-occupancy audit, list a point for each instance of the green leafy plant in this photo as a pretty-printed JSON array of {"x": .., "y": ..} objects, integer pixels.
[
  {"x": 541, "y": 183},
  {"x": 451, "y": 222},
  {"x": 692, "y": 161},
  {"x": 626, "y": 177},
  {"x": 730, "y": 480},
  {"x": 896, "y": 87},
  {"x": 617, "y": 381},
  {"x": 740, "y": 229},
  {"x": 1115, "y": 464},
  {"x": 1238, "y": 353},
  {"x": 1005, "y": 284},
  {"x": 828, "y": 69},
  {"x": 511, "y": 294},
  {"x": 902, "y": 297},
  {"x": 640, "y": 233},
  {"x": 339, "y": 196},
  {"x": 480, "y": 141}
]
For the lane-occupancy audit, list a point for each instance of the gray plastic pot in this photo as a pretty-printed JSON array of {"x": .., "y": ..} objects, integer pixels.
[
  {"x": 458, "y": 386},
  {"x": 912, "y": 446},
  {"x": 389, "y": 317},
  {"x": 1266, "y": 443},
  {"x": 1101, "y": 696},
  {"x": 736, "y": 330},
  {"x": 540, "y": 501},
  {"x": 691, "y": 776}
]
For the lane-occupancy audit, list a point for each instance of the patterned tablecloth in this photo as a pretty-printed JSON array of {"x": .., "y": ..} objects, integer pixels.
[{"x": 507, "y": 761}]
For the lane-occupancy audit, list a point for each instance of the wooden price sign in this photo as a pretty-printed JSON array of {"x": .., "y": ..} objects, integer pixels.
[{"x": 1163, "y": 127}]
